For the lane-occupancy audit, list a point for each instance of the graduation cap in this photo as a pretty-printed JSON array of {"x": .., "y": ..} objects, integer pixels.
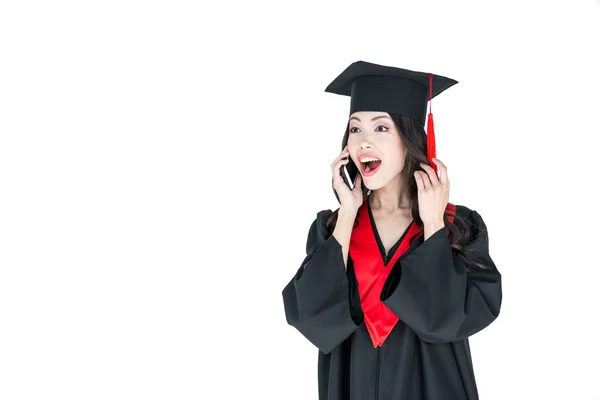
[{"x": 374, "y": 87}]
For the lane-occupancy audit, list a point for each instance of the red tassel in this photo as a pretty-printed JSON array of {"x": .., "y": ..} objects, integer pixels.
[
  {"x": 430, "y": 131},
  {"x": 431, "y": 142}
]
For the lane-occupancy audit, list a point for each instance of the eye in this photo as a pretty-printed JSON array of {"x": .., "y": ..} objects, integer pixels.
[
  {"x": 352, "y": 129},
  {"x": 382, "y": 126}
]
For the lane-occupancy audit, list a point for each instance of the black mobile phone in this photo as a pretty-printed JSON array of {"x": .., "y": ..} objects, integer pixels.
[{"x": 349, "y": 172}]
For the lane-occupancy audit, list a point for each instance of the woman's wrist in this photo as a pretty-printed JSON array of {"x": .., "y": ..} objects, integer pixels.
[
  {"x": 346, "y": 215},
  {"x": 432, "y": 227}
]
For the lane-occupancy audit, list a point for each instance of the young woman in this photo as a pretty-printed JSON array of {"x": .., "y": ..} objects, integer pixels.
[{"x": 397, "y": 278}]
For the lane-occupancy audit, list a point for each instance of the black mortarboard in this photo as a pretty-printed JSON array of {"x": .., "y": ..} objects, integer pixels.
[{"x": 374, "y": 87}]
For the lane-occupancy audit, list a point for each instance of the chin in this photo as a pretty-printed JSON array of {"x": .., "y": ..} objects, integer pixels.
[{"x": 373, "y": 184}]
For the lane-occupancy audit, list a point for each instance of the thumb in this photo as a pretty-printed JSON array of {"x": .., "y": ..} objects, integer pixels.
[{"x": 357, "y": 182}]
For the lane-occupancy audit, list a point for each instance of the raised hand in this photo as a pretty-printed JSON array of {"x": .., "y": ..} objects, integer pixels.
[
  {"x": 433, "y": 194},
  {"x": 349, "y": 199}
]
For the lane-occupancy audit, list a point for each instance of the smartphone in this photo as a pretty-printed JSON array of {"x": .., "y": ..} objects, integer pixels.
[{"x": 349, "y": 171}]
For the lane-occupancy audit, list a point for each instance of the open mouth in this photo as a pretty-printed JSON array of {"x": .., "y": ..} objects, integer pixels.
[{"x": 369, "y": 165}]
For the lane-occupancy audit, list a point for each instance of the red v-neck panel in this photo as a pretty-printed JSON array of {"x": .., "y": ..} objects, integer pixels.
[
  {"x": 371, "y": 271},
  {"x": 371, "y": 274}
]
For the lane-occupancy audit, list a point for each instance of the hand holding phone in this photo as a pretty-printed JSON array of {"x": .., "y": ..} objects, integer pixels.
[
  {"x": 349, "y": 172},
  {"x": 347, "y": 181}
]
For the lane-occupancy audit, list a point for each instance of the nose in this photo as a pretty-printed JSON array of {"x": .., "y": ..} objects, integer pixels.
[{"x": 365, "y": 144}]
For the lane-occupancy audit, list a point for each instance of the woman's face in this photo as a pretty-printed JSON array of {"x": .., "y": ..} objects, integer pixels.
[{"x": 373, "y": 134}]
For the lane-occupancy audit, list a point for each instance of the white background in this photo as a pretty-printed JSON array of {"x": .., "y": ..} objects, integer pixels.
[{"x": 161, "y": 162}]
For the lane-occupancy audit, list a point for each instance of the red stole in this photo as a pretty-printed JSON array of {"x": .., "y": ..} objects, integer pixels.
[{"x": 371, "y": 273}]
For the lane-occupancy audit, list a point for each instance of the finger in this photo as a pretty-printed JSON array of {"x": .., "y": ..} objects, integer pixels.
[
  {"x": 337, "y": 170},
  {"x": 443, "y": 171},
  {"x": 338, "y": 166},
  {"x": 338, "y": 160},
  {"x": 338, "y": 180},
  {"x": 433, "y": 179},
  {"x": 357, "y": 182},
  {"x": 426, "y": 181},
  {"x": 419, "y": 180},
  {"x": 344, "y": 153}
]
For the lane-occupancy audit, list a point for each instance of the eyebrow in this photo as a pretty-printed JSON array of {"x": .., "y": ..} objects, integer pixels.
[{"x": 372, "y": 119}]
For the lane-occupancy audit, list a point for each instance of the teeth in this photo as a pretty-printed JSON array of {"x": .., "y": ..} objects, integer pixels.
[{"x": 368, "y": 159}]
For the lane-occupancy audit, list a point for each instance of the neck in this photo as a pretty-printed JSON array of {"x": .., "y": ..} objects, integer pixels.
[{"x": 391, "y": 198}]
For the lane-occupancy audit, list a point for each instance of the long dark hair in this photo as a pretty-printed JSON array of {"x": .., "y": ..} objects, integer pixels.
[{"x": 412, "y": 134}]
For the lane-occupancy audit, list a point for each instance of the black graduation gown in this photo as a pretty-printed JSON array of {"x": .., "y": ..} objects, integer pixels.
[{"x": 439, "y": 304}]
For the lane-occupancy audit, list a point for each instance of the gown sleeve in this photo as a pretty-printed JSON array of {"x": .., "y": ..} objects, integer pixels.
[
  {"x": 432, "y": 292},
  {"x": 320, "y": 301}
]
